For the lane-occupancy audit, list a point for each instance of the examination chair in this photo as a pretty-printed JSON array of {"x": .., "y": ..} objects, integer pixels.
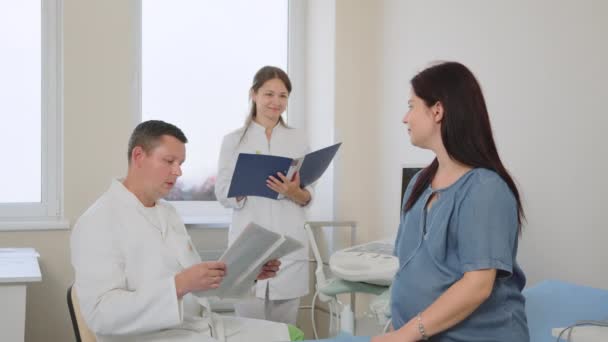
[{"x": 553, "y": 304}]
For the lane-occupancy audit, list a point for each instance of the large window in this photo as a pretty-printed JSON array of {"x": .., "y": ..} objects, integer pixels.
[
  {"x": 198, "y": 59},
  {"x": 30, "y": 110}
]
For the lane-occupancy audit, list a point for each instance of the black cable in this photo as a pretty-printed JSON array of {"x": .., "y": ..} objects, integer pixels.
[{"x": 579, "y": 324}]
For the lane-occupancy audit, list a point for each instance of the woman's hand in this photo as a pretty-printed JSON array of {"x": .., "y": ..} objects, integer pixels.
[
  {"x": 269, "y": 270},
  {"x": 389, "y": 337},
  {"x": 283, "y": 185},
  {"x": 407, "y": 333},
  {"x": 289, "y": 188}
]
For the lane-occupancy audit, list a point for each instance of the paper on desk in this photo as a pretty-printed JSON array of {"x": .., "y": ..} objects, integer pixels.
[
  {"x": 19, "y": 264},
  {"x": 18, "y": 253}
]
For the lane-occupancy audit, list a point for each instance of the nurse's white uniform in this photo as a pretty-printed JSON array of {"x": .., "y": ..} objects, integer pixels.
[
  {"x": 125, "y": 257},
  {"x": 283, "y": 216}
]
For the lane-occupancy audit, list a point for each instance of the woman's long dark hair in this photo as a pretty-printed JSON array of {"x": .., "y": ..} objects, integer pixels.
[{"x": 465, "y": 128}]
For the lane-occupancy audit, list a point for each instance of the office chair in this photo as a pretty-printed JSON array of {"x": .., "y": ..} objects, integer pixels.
[{"x": 81, "y": 330}]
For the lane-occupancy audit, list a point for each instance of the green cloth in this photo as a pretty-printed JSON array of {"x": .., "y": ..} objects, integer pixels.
[{"x": 295, "y": 334}]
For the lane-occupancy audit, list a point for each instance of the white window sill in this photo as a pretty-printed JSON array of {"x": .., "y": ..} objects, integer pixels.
[
  {"x": 26, "y": 225},
  {"x": 192, "y": 221}
]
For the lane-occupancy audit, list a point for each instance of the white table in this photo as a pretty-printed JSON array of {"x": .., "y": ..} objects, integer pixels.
[{"x": 18, "y": 267}]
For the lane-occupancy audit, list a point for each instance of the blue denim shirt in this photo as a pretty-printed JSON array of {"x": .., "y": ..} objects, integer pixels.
[{"x": 471, "y": 226}]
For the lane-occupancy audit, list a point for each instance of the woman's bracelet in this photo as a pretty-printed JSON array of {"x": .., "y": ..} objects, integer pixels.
[{"x": 421, "y": 328}]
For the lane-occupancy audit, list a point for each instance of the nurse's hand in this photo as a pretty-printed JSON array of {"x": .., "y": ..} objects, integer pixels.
[
  {"x": 200, "y": 277},
  {"x": 289, "y": 188},
  {"x": 269, "y": 269}
]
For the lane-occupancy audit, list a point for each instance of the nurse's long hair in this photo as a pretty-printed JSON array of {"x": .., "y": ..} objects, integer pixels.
[
  {"x": 465, "y": 128},
  {"x": 263, "y": 75}
]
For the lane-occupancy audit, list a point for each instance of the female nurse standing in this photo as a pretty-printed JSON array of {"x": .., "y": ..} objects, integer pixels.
[
  {"x": 265, "y": 132},
  {"x": 461, "y": 217}
]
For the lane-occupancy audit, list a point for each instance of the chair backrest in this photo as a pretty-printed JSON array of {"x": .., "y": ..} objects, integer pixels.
[{"x": 81, "y": 330}]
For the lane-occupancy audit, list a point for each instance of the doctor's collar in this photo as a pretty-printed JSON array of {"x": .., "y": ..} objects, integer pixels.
[{"x": 128, "y": 195}]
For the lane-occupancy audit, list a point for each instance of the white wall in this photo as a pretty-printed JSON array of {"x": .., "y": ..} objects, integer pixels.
[
  {"x": 319, "y": 95},
  {"x": 542, "y": 66}
]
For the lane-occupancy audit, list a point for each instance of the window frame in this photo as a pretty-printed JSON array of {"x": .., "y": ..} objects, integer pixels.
[
  {"x": 212, "y": 214},
  {"x": 48, "y": 213}
]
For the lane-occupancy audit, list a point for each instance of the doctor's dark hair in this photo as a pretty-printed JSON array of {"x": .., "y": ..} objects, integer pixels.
[
  {"x": 263, "y": 75},
  {"x": 148, "y": 133},
  {"x": 465, "y": 128}
]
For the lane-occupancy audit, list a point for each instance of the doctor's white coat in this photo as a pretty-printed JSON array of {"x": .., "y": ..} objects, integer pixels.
[
  {"x": 282, "y": 216},
  {"x": 125, "y": 257}
]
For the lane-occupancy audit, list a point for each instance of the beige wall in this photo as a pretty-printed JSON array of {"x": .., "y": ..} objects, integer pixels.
[
  {"x": 546, "y": 119},
  {"x": 99, "y": 71},
  {"x": 543, "y": 85},
  {"x": 543, "y": 82},
  {"x": 356, "y": 114}
]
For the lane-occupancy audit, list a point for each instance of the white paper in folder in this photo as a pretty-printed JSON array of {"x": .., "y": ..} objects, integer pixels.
[{"x": 244, "y": 259}]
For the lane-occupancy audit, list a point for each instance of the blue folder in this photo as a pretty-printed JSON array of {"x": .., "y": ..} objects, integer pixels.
[{"x": 252, "y": 171}]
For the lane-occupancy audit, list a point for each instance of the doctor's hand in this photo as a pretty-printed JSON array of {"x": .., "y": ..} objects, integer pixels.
[
  {"x": 289, "y": 188},
  {"x": 269, "y": 269},
  {"x": 200, "y": 277}
]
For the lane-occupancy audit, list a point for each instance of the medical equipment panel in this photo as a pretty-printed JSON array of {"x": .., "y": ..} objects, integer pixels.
[{"x": 372, "y": 262}]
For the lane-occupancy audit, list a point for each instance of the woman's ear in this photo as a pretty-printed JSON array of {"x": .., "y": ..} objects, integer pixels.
[{"x": 437, "y": 110}]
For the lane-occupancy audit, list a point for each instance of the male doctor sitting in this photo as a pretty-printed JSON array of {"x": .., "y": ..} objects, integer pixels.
[{"x": 134, "y": 262}]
